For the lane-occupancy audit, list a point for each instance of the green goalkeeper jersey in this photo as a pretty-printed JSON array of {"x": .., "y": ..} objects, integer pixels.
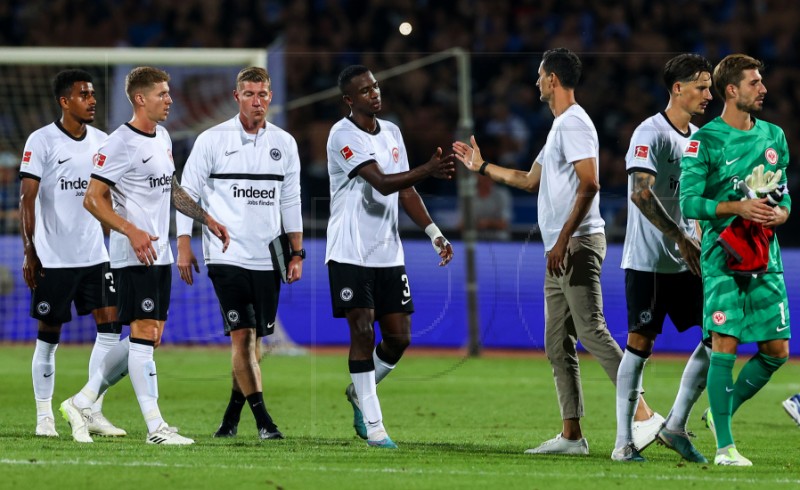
[{"x": 716, "y": 158}]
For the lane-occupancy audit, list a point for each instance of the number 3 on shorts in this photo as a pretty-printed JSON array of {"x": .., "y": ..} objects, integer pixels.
[{"x": 407, "y": 289}]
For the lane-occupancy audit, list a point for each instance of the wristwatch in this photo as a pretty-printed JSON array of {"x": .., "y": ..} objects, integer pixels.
[{"x": 299, "y": 253}]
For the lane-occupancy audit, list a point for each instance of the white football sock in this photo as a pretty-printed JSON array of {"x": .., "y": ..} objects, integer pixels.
[
  {"x": 103, "y": 343},
  {"x": 693, "y": 382},
  {"x": 111, "y": 369},
  {"x": 142, "y": 370},
  {"x": 43, "y": 369},
  {"x": 629, "y": 390},
  {"x": 382, "y": 368},
  {"x": 368, "y": 398}
]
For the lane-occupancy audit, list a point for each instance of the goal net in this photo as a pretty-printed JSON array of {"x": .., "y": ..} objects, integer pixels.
[{"x": 201, "y": 85}]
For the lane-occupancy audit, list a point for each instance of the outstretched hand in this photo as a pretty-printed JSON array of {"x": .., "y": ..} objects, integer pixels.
[
  {"x": 444, "y": 249},
  {"x": 442, "y": 168},
  {"x": 470, "y": 156}
]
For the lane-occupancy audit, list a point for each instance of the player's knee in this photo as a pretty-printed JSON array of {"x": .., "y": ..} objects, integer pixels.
[
  {"x": 362, "y": 333},
  {"x": 773, "y": 363}
]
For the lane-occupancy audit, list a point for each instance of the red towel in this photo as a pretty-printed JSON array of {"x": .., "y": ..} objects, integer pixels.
[{"x": 747, "y": 244}]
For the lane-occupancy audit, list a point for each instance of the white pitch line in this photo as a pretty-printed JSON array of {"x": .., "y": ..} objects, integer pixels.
[{"x": 417, "y": 471}]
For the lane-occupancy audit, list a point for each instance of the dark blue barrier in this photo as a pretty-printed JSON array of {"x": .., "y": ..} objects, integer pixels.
[{"x": 510, "y": 291}]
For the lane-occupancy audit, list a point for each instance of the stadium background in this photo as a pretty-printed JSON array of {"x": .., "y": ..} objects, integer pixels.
[{"x": 623, "y": 47}]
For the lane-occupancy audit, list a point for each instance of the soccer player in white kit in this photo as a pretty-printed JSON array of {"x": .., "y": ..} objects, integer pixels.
[
  {"x": 661, "y": 257},
  {"x": 135, "y": 165},
  {"x": 65, "y": 258},
  {"x": 369, "y": 175},
  {"x": 248, "y": 170}
]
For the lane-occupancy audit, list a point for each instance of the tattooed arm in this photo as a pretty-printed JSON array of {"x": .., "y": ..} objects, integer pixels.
[
  {"x": 185, "y": 204},
  {"x": 648, "y": 203}
]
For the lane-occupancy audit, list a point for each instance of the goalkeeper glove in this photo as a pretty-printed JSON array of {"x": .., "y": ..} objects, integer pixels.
[
  {"x": 763, "y": 183},
  {"x": 774, "y": 196}
]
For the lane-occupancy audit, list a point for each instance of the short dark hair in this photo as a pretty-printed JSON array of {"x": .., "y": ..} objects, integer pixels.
[
  {"x": 565, "y": 64},
  {"x": 348, "y": 74},
  {"x": 143, "y": 78},
  {"x": 730, "y": 71},
  {"x": 254, "y": 74},
  {"x": 64, "y": 80},
  {"x": 685, "y": 67}
]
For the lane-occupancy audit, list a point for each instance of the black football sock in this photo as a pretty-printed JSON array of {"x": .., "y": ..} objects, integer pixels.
[
  {"x": 234, "y": 410},
  {"x": 263, "y": 420}
]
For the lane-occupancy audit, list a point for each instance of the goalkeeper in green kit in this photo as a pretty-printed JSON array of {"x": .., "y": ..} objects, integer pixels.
[{"x": 733, "y": 179}]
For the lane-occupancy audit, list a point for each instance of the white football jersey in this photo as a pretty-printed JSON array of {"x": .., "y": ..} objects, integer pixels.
[
  {"x": 246, "y": 181},
  {"x": 572, "y": 138},
  {"x": 65, "y": 235},
  {"x": 139, "y": 169},
  {"x": 362, "y": 229},
  {"x": 656, "y": 148}
]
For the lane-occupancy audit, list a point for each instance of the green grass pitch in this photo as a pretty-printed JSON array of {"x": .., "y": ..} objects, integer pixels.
[{"x": 460, "y": 423}]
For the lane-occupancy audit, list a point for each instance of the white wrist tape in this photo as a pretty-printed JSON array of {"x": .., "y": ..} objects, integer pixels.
[{"x": 433, "y": 233}]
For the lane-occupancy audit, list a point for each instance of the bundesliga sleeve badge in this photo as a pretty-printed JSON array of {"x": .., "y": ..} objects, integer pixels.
[
  {"x": 99, "y": 160},
  {"x": 347, "y": 153},
  {"x": 26, "y": 157},
  {"x": 641, "y": 152},
  {"x": 692, "y": 148}
]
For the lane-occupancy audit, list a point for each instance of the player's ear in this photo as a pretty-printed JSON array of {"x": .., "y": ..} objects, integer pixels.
[
  {"x": 347, "y": 100},
  {"x": 236, "y": 95},
  {"x": 676, "y": 89}
]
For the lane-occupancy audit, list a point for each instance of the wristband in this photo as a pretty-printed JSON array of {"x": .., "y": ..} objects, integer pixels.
[
  {"x": 482, "y": 170},
  {"x": 433, "y": 231}
]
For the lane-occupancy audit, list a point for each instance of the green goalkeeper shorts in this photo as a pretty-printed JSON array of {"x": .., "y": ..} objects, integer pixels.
[{"x": 750, "y": 308}]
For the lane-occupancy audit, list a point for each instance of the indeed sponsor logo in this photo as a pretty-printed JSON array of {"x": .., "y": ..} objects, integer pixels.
[
  {"x": 253, "y": 193},
  {"x": 164, "y": 180},
  {"x": 71, "y": 185}
]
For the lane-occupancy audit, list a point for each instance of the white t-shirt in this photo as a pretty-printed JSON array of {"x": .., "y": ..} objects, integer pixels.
[
  {"x": 656, "y": 148},
  {"x": 249, "y": 181},
  {"x": 139, "y": 168},
  {"x": 571, "y": 138},
  {"x": 66, "y": 235},
  {"x": 362, "y": 229}
]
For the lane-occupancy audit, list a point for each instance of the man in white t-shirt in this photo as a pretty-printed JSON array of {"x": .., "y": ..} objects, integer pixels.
[
  {"x": 65, "y": 258},
  {"x": 661, "y": 257},
  {"x": 565, "y": 173},
  {"x": 248, "y": 170},
  {"x": 134, "y": 164},
  {"x": 369, "y": 175}
]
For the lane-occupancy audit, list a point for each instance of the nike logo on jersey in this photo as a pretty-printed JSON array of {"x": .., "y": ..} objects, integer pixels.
[
  {"x": 781, "y": 329},
  {"x": 64, "y": 160},
  {"x": 751, "y": 384},
  {"x": 145, "y": 160},
  {"x": 405, "y": 301},
  {"x": 270, "y": 326},
  {"x": 46, "y": 375},
  {"x": 229, "y": 153},
  {"x": 152, "y": 374},
  {"x": 673, "y": 160},
  {"x": 729, "y": 390},
  {"x": 728, "y": 162}
]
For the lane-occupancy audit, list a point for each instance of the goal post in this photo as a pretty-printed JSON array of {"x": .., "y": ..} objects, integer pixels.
[{"x": 134, "y": 56}]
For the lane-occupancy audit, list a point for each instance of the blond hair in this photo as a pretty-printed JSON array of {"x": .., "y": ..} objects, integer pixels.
[{"x": 143, "y": 78}]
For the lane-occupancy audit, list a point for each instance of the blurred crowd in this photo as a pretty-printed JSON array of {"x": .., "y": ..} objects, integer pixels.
[{"x": 623, "y": 46}]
